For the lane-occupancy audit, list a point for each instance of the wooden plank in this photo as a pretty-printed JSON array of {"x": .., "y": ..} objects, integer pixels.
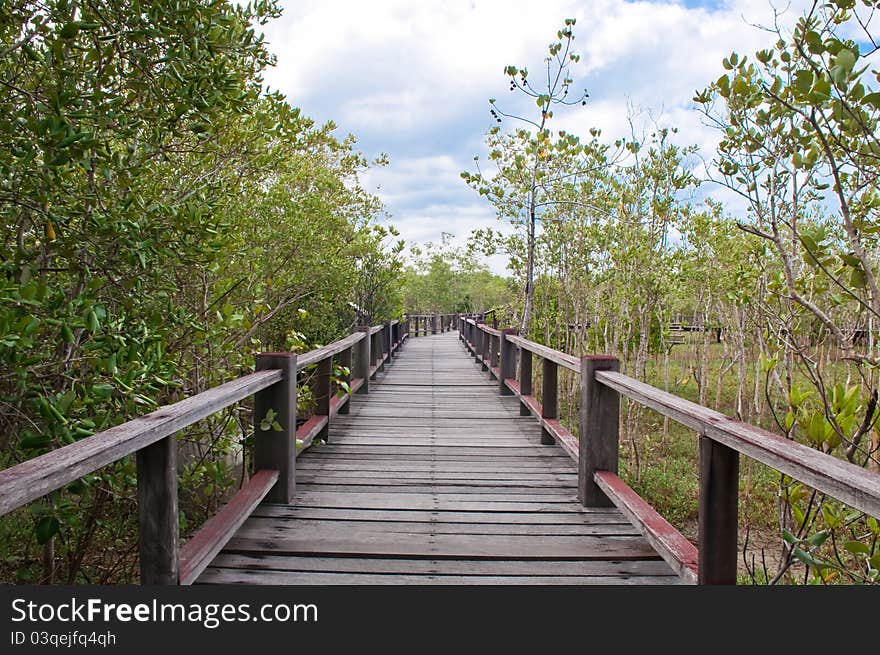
[
  {"x": 587, "y": 517},
  {"x": 678, "y": 552},
  {"x": 498, "y": 567},
  {"x": 319, "y": 354},
  {"x": 22, "y": 483},
  {"x": 197, "y": 553},
  {"x": 240, "y": 576},
  {"x": 451, "y": 546},
  {"x": 566, "y": 361},
  {"x": 272, "y": 528},
  {"x": 847, "y": 482}
]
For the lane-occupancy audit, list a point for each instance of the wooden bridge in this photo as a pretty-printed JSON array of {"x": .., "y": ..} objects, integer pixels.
[{"x": 436, "y": 471}]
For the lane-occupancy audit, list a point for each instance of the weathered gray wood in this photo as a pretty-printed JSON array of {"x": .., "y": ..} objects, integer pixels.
[
  {"x": 345, "y": 360},
  {"x": 157, "y": 512},
  {"x": 549, "y": 399},
  {"x": 599, "y": 429},
  {"x": 406, "y": 481},
  {"x": 719, "y": 500},
  {"x": 36, "y": 477},
  {"x": 271, "y": 527},
  {"x": 321, "y": 393},
  {"x": 545, "y": 352},
  {"x": 847, "y": 482},
  {"x": 363, "y": 361},
  {"x": 525, "y": 379},
  {"x": 483, "y": 567},
  {"x": 250, "y": 577},
  {"x": 586, "y": 517},
  {"x": 315, "y": 356},
  {"x": 274, "y": 449},
  {"x": 452, "y": 546},
  {"x": 508, "y": 361}
]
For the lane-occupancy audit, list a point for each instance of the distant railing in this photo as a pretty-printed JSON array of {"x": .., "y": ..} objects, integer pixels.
[
  {"x": 595, "y": 449},
  {"x": 151, "y": 438},
  {"x": 425, "y": 324}
]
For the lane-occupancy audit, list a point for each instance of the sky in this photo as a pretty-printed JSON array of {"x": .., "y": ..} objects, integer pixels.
[{"x": 412, "y": 79}]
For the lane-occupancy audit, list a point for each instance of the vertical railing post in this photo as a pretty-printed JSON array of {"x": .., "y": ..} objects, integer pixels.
[
  {"x": 525, "y": 379},
  {"x": 478, "y": 345},
  {"x": 275, "y": 449},
  {"x": 321, "y": 391},
  {"x": 507, "y": 366},
  {"x": 549, "y": 398},
  {"x": 717, "y": 516},
  {"x": 387, "y": 341},
  {"x": 363, "y": 360},
  {"x": 433, "y": 323},
  {"x": 345, "y": 360},
  {"x": 375, "y": 351},
  {"x": 484, "y": 350},
  {"x": 494, "y": 343},
  {"x": 158, "y": 537},
  {"x": 599, "y": 429}
]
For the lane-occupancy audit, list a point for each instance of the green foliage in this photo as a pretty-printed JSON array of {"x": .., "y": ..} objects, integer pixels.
[
  {"x": 442, "y": 278},
  {"x": 162, "y": 219}
]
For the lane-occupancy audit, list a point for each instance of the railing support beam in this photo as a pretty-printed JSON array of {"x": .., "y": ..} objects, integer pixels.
[
  {"x": 718, "y": 521},
  {"x": 276, "y": 449},
  {"x": 599, "y": 429}
]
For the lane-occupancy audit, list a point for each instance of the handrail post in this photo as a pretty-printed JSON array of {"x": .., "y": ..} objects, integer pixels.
[
  {"x": 494, "y": 345},
  {"x": 525, "y": 379},
  {"x": 363, "y": 360},
  {"x": 549, "y": 398},
  {"x": 277, "y": 449},
  {"x": 599, "y": 429},
  {"x": 478, "y": 346},
  {"x": 387, "y": 340},
  {"x": 375, "y": 349},
  {"x": 345, "y": 360},
  {"x": 321, "y": 391},
  {"x": 507, "y": 366},
  {"x": 484, "y": 350},
  {"x": 158, "y": 537},
  {"x": 717, "y": 517},
  {"x": 434, "y": 324}
]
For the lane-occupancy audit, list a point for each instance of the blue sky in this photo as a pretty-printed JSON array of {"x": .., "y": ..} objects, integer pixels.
[{"x": 412, "y": 79}]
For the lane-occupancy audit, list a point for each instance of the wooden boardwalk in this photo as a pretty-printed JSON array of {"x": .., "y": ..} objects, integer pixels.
[{"x": 434, "y": 478}]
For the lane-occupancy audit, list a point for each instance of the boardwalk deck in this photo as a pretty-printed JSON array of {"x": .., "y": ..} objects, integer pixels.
[{"x": 434, "y": 478}]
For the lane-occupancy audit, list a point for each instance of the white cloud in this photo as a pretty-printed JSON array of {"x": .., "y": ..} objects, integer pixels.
[{"x": 412, "y": 79}]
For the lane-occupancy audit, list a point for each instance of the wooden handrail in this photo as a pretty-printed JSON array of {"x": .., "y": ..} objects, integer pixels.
[
  {"x": 316, "y": 355},
  {"x": 570, "y": 362},
  {"x": 721, "y": 440},
  {"x": 843, "y": 480},
  {"x": 25, "y": 482},
  {"x": 151, "y": 437}
]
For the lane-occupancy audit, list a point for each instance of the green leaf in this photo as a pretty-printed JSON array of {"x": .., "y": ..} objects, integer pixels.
[
  {"x": 103, "y": 390},
  {"x": 857, "y": 548},
  {"x": 69, "y": 31},
  {"x": 47, "y": 527},
  {"x": 858, "y": 279},
  {"x": 30, "y": 440},
  {"x": 819, "y": 538},
  {"x": 872, "y": 99}
]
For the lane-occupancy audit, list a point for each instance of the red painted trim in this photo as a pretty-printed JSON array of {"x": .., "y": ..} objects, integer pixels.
[
  {"x": 678, "y": 552},
  {"x": 311, "y": 429},
  {"x": 197, "y": 553},
  {"x": 356, "y": 384}
]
